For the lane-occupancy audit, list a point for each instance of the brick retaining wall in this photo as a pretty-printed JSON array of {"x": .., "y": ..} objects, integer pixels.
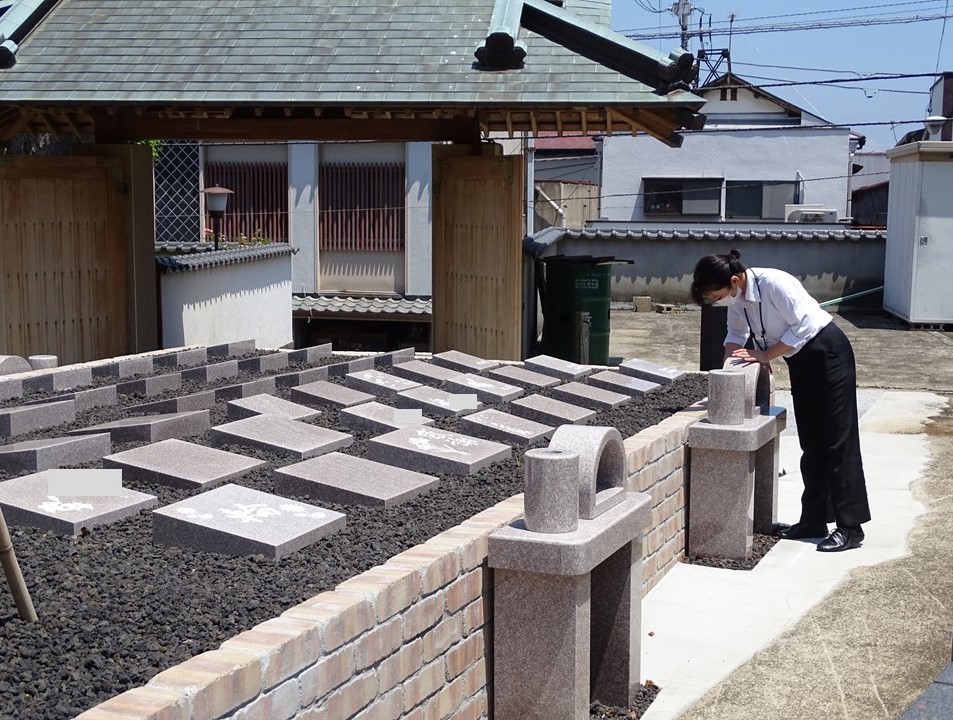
[{"x": 409, "y": 639}]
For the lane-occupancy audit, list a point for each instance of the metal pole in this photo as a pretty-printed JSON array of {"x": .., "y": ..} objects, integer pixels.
[
  {"x": 837, "y": 301},
  {"x": 11, "y": 568},
  {"x": 217, "y": 223}
]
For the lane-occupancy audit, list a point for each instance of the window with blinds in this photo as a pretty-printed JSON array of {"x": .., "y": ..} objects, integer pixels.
[
  {"x": 361, "y": 206},
  {"x": 259, "y": 207}
]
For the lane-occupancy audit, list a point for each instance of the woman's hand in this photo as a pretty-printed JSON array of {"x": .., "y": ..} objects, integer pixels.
[{"x": 752, "y": 355}]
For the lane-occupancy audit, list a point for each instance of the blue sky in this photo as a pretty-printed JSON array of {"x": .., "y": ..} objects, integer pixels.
[{"x": 894, "y": 48}]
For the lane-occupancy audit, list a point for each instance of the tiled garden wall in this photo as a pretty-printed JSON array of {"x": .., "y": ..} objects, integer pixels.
[{"x": 409, "y": 639}]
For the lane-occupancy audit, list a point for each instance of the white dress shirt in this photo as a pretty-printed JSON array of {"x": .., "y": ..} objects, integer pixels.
[{"x": 779, "y": 300}]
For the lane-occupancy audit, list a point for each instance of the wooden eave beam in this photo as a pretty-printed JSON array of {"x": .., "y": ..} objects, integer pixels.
[{"x": 129, "y": 127}]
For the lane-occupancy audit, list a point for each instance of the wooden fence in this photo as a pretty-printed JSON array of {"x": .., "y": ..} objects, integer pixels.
[{"x": 62, "y": 258}]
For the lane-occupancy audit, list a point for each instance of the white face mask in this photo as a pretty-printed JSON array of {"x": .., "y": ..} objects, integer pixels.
[{"x": 727, "y": 301}]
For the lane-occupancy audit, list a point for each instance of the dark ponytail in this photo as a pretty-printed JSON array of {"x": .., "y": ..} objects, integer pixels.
[{"x": 713, "y": 272}]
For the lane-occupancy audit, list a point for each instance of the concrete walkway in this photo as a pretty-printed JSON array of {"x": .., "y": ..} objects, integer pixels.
[{"x": 807, "y": 635}]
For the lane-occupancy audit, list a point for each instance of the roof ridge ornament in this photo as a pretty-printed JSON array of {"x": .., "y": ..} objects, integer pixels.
[
  {"x": 19, "y": 19},
  {"x": 502, "y": 50}
]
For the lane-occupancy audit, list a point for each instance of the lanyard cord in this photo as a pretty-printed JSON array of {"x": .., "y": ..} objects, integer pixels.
[{"x": 763, "y": 345}]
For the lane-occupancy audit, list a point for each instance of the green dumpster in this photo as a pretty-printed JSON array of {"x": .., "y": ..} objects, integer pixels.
[{"x": 576, "y": 308}]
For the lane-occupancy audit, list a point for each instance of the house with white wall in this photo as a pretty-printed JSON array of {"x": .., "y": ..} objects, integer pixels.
[{"x": 756, "y": 155}]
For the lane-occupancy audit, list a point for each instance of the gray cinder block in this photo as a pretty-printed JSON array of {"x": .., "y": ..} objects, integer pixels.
[
  {"x": 45, "y": 454},
  {"x": 241, "y": 347},
  {"x": 21, "y": 420}
]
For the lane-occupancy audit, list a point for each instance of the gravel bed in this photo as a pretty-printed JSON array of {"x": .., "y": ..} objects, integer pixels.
[
  {"x": 646, "y": 694},
  {"x": 115, "y": 609},
  {"x": 759, "y": 548}
]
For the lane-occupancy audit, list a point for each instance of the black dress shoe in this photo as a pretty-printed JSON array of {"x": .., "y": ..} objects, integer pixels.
[
  {"x": 842, "y": 539},
  {"x": 802, "y": 531}
]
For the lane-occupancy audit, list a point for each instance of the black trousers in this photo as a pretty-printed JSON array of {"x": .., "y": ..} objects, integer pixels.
[{"x": 824, "y": 389}]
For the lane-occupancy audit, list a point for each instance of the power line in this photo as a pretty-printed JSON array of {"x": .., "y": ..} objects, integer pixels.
[
  {"x": 794, "y": 27},
  {"x": 807, "y": 69},
  {"x": 869, "y": 78},
  {"x": 800, "y": 14},
  {"x": 846, "y": 87},
  {"x": 942, "y": 33}
]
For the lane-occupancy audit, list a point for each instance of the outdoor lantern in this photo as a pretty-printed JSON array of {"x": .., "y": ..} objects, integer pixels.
[
  {"x": 216, "y": 198},
  {"x": 934, "y": 124}
]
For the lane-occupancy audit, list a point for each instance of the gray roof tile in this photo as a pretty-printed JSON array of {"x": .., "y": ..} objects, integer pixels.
[
  {"x": 158, "y": 52},
  {"x": 363, "y": 305}
]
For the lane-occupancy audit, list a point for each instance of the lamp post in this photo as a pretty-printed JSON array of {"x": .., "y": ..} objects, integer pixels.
[
  {"x": 934, "y": 124},
  {"x": 216, "y": 198}
]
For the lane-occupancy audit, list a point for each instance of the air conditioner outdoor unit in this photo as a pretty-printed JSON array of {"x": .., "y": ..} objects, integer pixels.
[{"x": 809, "y": 214}]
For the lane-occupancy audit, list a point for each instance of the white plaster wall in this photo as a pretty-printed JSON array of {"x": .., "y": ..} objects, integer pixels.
[
  {"x": 362, "y": 152},
  {"x": 303, "y": 161},
  {"x": 362, "y": 272},
  {"x": 246, "y": 152},
  {"x": 742, "y": 155},
  {"x": 228, "y": 303},
  {"x": 419, "y": 238}
]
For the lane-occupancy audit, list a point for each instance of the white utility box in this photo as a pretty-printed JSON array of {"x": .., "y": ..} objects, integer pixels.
[{"x": 918, "y": 266}]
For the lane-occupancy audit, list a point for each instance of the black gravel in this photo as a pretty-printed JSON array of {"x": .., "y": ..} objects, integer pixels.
[
  {"x": 115, "y": 609},
  {"x": 647, "y": 693},
  {"x": 759, "y": 548}
]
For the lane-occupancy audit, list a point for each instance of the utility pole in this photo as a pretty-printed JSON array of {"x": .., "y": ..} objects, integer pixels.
[{"x": 683, "y": 10}]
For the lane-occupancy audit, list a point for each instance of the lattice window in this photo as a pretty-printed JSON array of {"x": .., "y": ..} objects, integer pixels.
[
  {"x": 177, "y": 193},
  {"x": 259, "y": 206},
  {"x": 361, "y": 206}
]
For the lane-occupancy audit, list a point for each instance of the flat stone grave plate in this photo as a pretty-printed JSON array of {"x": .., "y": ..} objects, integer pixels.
[
  {"x": 151, "y": 385},
  {"x": 653, "y": 372},
  {"x": 563, "y": 369},
  {"x": 356, "y": 365},
  {"x": 617, "y": 382},
  {"x": 264, "y": 385},
  {"x": 183, "y": 358},
  {"x": 462, "y": 362},
  {"x": 25, "y": 501},
  {"x": 349, "y": 480},
  {"x": 328, "y": 394},
  {"x": 588, "y": 396},
  {"x": 524, "y": 378},
  {"x": 424, "y": 372},
  {"x": 495, "y": 425},
  {"x": 267, "y": 432},
  {"x": 487, "y": 390},
  {"x": 550, "y": 411},
  {"x": 438, "y": 402},
  {"x": 152, "y": 428},
  {"x": 266, "y": 404},
  {"x": 237, "y": 347},
  {"x": 235, "y": 520},
  {"x": 376, "y": 417},
  {"x": 429, "y": 450},
  {"x": 181, "y": 464},
  {"x": 45, "y": 454},
  {"x": 378, "y": 383}
]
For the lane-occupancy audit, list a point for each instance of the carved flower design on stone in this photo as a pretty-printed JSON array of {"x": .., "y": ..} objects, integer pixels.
[
  {"x": 253, "y": 512},
  {"x": 302, "y": 511},
  {"x": 440, "y": 443},
  {"x": 193, "y": 514},
  {"x": 54, "y": 505}
]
